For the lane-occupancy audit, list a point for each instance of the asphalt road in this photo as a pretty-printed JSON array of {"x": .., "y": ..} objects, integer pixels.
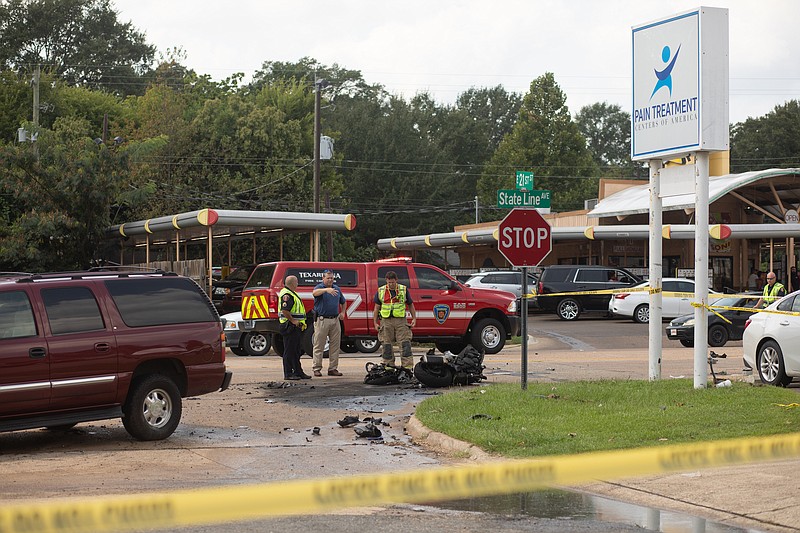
[{"x": 260, "y": 430}]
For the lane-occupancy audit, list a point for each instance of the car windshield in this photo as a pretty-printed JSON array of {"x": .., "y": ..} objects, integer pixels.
[
  {"x": 733, "y": 302},
  {"x": 240, "y": 274}
]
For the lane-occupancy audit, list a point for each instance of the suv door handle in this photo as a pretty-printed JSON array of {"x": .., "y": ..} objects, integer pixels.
[
  {"x": 427, "y": 297},
  {"x": 102, "y": 346},
  {"x": 37, "y": 353}
]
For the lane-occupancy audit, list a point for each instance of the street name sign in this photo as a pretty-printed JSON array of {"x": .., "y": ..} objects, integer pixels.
[{"x": 510, "y": 198}]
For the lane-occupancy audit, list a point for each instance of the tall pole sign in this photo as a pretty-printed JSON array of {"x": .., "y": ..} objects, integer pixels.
[{"x": 680, "y": 107}]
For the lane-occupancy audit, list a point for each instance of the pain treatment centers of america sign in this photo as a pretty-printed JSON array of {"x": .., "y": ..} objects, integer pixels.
[{"x": 680, "y": 85}]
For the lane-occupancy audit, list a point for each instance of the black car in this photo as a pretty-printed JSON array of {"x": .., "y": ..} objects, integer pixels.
[
  {"x": 720, "y": 331},
  {"x": 580, "y": 278},
  {"x": 227, "y": 293}
]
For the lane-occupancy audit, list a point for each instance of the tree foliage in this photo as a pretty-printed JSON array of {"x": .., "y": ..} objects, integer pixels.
[
  {"x": 59, "y": 198},
  {"x": 544, "y": 139},
  {"x": 771, "y": 141},
  {"x": 80, "y": 41},
  {"x": 607, "y": 130}
]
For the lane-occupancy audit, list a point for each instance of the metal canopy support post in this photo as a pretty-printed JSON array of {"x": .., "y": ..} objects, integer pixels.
[
  {"x": 177, "y": 246},
  {"x": 147, "y": 250},
  {"x": 656, "y": 272},
  {"x": 210, "y": 260},
  {"x": 701, "y": 271}
]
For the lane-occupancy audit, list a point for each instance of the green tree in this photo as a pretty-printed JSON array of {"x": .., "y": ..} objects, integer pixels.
[
  {"x": 607, "y": 130},
  {"x": 771, "y": 141},
  {"x": 546, "y": 141},
  {"x": 80, "y": 41},
  {"x": 61, "y": 198}
]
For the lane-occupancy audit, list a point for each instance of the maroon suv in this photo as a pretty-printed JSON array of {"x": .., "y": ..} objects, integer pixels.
[{"x": 83, "y": 346}]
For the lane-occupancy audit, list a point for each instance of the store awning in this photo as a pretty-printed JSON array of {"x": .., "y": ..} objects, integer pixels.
[{"x": 636, "y": 200}]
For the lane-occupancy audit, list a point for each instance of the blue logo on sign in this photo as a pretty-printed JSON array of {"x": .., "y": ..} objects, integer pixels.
[
  {"x": 441, "y": 312},
  {"x": 665, "y": 76}
]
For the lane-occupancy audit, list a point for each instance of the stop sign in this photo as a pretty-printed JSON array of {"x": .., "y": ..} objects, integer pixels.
[{"x": 524, "y": 237}]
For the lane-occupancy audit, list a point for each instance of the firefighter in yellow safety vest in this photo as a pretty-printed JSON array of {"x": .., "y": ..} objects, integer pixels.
[{"x": 391, "y": 302}]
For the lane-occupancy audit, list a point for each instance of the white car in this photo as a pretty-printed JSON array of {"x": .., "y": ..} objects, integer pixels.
[
  {"x": 503, "y": 280},
  {"x": 771, "y": 342},
  {"x": 636, "y": 305}
]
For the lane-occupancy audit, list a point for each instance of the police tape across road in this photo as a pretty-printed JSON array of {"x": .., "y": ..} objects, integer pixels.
[
  {"x": 671, "y": 294},
  {"x": 230, "y": 504}
]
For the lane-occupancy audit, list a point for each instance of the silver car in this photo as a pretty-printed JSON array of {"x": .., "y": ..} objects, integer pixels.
[{"x": 504, "y": 280}]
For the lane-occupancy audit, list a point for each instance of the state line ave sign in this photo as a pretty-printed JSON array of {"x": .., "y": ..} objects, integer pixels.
[{"x": 524, "y": 237}]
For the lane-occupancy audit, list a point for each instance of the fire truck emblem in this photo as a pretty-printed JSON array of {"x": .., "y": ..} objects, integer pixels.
[{"x": 441, "y": 312}]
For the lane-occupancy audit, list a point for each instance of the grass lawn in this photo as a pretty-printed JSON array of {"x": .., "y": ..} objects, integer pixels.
[{"x": 586, "y": 416}]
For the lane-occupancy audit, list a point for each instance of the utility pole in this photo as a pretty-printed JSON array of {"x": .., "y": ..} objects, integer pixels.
[
  {"x": 476, "y": 209},
  {"x": 317, "y": 97},
  {"x": 36, "y": 77}
]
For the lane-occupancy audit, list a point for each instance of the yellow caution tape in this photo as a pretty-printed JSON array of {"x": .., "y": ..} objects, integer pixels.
[
  {"x": 238, "y": 503},
  {"x": 787, "y": 405}
]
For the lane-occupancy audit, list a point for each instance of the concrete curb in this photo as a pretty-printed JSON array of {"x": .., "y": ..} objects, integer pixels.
[{"x": 439, "y": 442}]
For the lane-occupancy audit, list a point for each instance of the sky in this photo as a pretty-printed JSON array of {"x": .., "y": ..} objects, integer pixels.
[{"x": 447, "y": 46}]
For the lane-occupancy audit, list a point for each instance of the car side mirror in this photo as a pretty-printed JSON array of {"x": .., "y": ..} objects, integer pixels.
[{"x": 454, "y": 286}]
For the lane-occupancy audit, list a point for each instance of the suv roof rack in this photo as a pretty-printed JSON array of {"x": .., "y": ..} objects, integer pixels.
[{"x": 89, "y": 274}]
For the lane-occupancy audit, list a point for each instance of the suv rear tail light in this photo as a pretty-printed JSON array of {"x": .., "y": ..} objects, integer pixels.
[
  {"x": 622, "y": 295},
  {"x": 747, "y": 323}
]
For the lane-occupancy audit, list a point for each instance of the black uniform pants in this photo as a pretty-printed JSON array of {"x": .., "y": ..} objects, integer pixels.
[{"x": 292, "y": 336}]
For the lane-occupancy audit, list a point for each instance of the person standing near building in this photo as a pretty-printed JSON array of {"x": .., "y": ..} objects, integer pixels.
[
  {"x": 752, "y": 281},
  {"x": 794, "y": 279},
  {"x": 772, "y": 291},
  {"x": 292, "y": 324},
  {"x": 389, "y": 316},
  {"x": 329, "y": 305}
]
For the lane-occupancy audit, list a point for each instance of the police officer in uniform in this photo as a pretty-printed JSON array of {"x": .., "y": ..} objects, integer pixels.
[
  {"x": 389, "y": 316},
  {"x": 292, "y": 324},
  {"x": 773, "y": 290}
]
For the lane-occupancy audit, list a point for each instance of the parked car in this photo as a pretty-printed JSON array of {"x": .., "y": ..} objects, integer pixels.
[
  {"x": 580, "y": 278},
  {"x": 502, "y": 280},
  {"x": 243, "y": 342},
  {"x": 720, "y": 331},
  {"x": 505, "y": 280},
  {"x": 84, "y": 346},
  {"x": 227, "y": 293},
  {"x": 772, "y": 342},
  {"x": 636, "y": 305}
]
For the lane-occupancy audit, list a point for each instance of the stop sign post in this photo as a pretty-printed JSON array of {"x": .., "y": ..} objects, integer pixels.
[{"x": 524, "y": 238}]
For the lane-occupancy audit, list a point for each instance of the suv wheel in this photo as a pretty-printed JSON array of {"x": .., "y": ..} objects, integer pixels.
[
  {"x": 256, "y": 343},
  {"x": 642, "y": 314},
  {"x": 568, "y": 309},
  {"x": 153, "y": 408},
  {"x": 489, "y": 336}
]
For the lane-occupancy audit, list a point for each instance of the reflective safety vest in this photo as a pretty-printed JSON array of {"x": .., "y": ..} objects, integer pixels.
[
  {"x": 396, "y": 306},
  {"x": 298, "y": 309},
  {"x": 770, "y": 295}
]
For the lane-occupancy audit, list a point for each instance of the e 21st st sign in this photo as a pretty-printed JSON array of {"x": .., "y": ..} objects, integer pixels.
[{"x": 525, "y": 237}]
